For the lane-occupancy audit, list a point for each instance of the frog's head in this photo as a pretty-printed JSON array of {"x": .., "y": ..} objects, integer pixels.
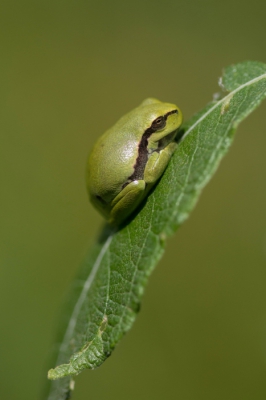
[{"x": 162, "y": 121}]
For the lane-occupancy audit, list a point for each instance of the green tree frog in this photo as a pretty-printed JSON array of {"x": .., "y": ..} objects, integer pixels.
[{"x": 130, "y": 157}]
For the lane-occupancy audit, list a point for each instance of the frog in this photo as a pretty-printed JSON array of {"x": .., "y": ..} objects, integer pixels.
[{"x": 130, "y": 157}]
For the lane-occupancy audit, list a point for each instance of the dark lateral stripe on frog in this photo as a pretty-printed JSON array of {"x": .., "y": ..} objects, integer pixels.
[{"x": 143, "y": 153}]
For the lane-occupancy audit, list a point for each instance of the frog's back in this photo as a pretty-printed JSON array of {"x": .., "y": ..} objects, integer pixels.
[{"x": 112, "y": 159}]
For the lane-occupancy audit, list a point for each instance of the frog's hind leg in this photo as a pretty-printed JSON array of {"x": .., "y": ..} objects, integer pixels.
[{"x": 127, "y": 201}]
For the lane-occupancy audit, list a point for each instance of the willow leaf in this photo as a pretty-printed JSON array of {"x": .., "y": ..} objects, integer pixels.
[{"x": 106, "y": 296}]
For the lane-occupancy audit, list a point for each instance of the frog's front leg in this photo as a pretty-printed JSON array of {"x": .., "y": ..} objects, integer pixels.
[
  {"x": 126, "y": 201},
  {"x": 157, "y": 163}
]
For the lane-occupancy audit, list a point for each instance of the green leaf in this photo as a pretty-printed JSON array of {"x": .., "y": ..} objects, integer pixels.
[{"x": 106, "y": 296}]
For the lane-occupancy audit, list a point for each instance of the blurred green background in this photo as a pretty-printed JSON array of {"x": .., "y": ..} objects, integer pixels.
[{"x": 69, "y": 70}]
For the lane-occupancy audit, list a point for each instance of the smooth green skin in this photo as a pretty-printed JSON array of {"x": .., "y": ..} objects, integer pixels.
[{"x": 115, "y": 154}]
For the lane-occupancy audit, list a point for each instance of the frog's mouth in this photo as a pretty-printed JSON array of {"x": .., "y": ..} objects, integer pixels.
[{"x": 143, "y": 153}]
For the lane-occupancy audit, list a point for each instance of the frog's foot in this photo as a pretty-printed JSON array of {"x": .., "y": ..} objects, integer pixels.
[{"x": 157, "y": 163}]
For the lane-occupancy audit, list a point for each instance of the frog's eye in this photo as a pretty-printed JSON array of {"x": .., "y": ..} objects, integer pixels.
[{"x": 159, "y": 123}]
